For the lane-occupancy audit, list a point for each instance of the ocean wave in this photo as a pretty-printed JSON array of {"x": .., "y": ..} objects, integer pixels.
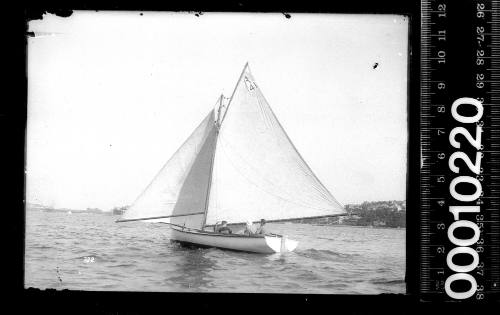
[
  {"x": 40, "y": 247},
  {"x": 341, "y": 238},
  {"x": 388, "y": 282},
  {"x": 124, "y": 265},
  {"x": 93, "y": 254},
  {"x": 325, "y": 254}
]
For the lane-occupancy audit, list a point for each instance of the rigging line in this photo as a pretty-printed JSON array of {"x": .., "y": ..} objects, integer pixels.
[
  {"x": 270, "y": 123},
  {"x": 288, "y": 219},
  {"x": 269, "y": 193},
  {"x": 213, "y": 192},
  {"x": 219, "y": 110},
  {"x": 338, "y": 203},
  {"x": 210, "y": 175},
  {"x": 159, "y": 217},
  {"x": 281, "y": 133},
  {"x": 234, "y": 91},
  {"x": 312, "y": 198},
  {"x": 169, "y": 160}
]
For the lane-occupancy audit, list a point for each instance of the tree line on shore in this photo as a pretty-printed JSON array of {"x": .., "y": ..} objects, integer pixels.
[
  {"x": 41, "y": 207},
  {"x": 376, "y": 213}
]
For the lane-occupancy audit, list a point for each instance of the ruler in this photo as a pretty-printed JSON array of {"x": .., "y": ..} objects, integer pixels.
[{"x": 459, "y": 216}]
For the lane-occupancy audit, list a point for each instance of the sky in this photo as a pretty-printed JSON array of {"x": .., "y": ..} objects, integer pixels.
[{"x": 112, "y": 95}]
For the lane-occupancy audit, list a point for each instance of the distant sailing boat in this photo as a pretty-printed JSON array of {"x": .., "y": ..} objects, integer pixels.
[{"x": 237, "y": 165}]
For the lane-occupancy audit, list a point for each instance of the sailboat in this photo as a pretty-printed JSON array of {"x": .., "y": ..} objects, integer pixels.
[{"x": 238, "y": 165}]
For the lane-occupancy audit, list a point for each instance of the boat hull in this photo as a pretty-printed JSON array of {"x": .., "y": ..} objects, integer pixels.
[{"x": 267, "y": 244}]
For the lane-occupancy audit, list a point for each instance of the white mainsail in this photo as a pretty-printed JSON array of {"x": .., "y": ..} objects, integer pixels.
[
  {"x": 238, "y": 164},
  {"x": 257, "y": 171}
]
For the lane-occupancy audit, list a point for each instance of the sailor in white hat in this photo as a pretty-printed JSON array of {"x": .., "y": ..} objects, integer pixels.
[{"x": 249, "y": 229}]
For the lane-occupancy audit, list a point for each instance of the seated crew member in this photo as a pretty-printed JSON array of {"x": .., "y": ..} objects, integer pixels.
[
  {"x": 224, "y": 229},
  {"x": 249, "y": 229},
  {"x": 217, "y": 226},
  {"x": 261, "y": 229}
]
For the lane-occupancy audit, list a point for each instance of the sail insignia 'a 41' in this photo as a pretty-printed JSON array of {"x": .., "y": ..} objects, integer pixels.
[{"x": 238, "y": 164}]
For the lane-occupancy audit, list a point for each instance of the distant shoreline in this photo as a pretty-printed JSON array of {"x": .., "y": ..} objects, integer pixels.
[
  {"x": 291, "y": 222},
  {"x": 363, "y": 226},
  {"x": 373, "y": 214},
  {"x": 344, "y": 225}
]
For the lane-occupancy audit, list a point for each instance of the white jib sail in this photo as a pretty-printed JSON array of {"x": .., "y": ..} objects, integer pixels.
[
  {"x": 257, "y": 172},
  {"x": 180, "y": 188}
]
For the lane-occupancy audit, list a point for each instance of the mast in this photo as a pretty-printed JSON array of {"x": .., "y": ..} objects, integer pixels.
[
  {"x": 234, "y": 91},
  {"x": 207, "y": 199},
  {"x": 217, "y": 128}
]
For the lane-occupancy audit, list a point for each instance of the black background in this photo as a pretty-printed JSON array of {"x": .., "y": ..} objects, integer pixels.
[{"x": 13, "y": 123}]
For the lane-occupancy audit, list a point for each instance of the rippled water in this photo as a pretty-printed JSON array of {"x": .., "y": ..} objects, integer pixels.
[{"x": 90, "y": 252}]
